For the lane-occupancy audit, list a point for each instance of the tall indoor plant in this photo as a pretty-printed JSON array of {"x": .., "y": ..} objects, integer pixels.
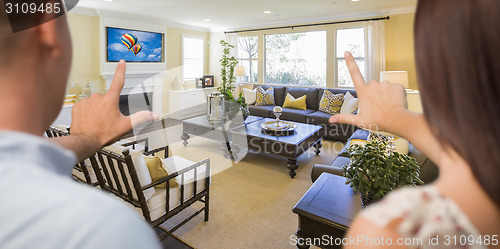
[
  {"x": 233, "y": 105},
  {"x": 373, "y": 171}
]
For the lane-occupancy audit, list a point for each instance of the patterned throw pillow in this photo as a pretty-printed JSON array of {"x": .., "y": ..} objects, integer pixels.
[
  {"x": 401, "y": 145},
  {"x": 331, "y": 103},
  {"x": 265, "y": 97}
]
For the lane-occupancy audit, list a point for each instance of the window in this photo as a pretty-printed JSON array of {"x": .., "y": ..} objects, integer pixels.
[
  {"x": 352, "y": 40},
  {"x": 296, "y": 58},
  {"x": 248, "y": 47},
  {"x": 192, "y": 57}
]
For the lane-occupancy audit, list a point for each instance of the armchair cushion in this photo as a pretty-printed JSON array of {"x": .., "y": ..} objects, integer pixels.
[
  {"x": 140, "y": 166},
  {"x": 157, "y": 203},
  {"x": 157, "y": 171}
]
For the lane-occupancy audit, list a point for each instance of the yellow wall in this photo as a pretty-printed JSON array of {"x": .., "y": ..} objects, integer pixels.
[
  {"x": 399, "y": 52},
  {"x": 86, "y": 65}
]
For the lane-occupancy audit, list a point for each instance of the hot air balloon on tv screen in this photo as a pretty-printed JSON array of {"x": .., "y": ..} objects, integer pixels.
[{"x": 134, "y": 45}]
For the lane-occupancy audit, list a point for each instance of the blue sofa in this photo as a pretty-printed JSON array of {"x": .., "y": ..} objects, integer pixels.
[{"x": 339, "y": 132}]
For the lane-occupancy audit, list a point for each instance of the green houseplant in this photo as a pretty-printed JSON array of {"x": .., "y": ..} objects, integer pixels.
[
  {"x": 373, "y": 171},
  {"x": 233, "y": 105}
]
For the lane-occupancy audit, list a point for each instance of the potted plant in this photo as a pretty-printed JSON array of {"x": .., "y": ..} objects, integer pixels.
[
  {"x": 374, "y": 171},
  {"x": 233, "y": 105}
]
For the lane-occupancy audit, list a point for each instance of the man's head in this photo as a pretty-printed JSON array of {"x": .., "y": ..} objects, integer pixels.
[{"x": 34, "y": 68}]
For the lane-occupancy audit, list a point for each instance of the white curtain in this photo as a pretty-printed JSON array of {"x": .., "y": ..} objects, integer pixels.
[
  {"x": 374, "y": 49},
  {"x": 232, "y": 38}
]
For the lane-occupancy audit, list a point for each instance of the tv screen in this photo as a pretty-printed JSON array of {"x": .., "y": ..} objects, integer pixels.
[{"x": 134, "y": 45}]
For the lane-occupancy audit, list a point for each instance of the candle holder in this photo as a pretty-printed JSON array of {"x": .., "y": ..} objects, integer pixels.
[{"x": 277, "y": 112}]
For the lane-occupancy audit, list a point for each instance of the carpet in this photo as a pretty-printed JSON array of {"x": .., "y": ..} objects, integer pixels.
[{"x": 251, "y": 200}]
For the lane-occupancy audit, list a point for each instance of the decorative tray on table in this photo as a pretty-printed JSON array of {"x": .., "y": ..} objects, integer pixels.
[{"x": 278, "y": 128}]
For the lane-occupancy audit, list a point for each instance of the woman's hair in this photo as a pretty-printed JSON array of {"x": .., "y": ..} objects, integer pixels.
[{"x": 457, "y": 47}]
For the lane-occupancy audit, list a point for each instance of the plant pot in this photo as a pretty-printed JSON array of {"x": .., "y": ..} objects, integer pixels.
[{"x": 367, "y": 200}]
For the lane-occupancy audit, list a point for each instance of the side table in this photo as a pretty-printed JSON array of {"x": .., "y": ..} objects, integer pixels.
[{"x": 326, "y": 209}]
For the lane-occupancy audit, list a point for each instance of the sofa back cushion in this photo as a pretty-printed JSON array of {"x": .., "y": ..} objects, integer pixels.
[
  {"x": 312, "y": 101},
  {"x": 334, "y": 91},
  {"x": 279, "y": 93}
]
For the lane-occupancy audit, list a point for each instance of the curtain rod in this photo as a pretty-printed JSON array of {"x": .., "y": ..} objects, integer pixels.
[{"x": 309, "y": 25}]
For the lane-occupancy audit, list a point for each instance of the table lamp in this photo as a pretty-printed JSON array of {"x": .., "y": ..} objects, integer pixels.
[
  {"x": 240, "y": 71},
  {"x": 396, "y": 77}
]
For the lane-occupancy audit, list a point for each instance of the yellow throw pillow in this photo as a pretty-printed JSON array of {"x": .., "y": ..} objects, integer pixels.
[
  {"x": 295, "y": 103},
  {"x": 264, "y": 97},
  {"x": 157, "y": 171},
  {"x": 331, "y": 103}
]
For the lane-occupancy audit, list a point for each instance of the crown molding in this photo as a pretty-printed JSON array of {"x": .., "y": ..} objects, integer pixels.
[
  {"x": 138, "y": 18},
  {"x": 367, "y": 14},
  {"x": 83, "y": 11}
]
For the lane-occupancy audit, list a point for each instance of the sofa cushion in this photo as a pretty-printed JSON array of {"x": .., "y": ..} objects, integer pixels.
[
  {"x": 311, "y": 93},
  {"x": 350, "y": 104},
  {"x": 340, "y": 132},
  {"x": 279, "y": 93},
  {"x": 318, "y": 117},
  {"x": 261, "y": 111},
  {"x": 264, "y": 97},
  {"x": 295, "y": 115},
  {"x": 295, "y": 103},
  {"x": 335, "y": 91},
  {"x": 250, "y": 96},
  {"x": 331, "y": 103}
]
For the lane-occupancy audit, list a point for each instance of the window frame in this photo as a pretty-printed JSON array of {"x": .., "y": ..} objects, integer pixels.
[
  {"x": 336, "y": 58},
  {"x": 293, "y": 31},
  {"x": 183, "y": 57},
  {"x": 256, "y": 59}
]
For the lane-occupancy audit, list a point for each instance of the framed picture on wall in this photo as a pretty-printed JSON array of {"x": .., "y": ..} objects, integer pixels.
[
  {"x": 199, "y": 82},
  {"x": 208, "y": 81}
]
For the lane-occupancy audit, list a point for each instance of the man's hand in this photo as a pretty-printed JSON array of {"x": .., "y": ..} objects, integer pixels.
[
  {"x": 380, "y": 104},
  {"x": 98, "y": 120}
]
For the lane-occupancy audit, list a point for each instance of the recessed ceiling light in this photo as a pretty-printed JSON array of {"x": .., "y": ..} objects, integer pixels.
[
  {"x": 108, "y": 0},
  {"x": 268, "y": 12},
  {"x": 207, "y": 20},
  {"x": 355, "y": 0}
]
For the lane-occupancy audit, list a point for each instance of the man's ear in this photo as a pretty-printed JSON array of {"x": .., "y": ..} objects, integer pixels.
[{"x": 47, "y": 34}]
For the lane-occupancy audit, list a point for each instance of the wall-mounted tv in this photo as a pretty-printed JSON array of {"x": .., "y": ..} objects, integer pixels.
[{"x": 134, "y": 45}]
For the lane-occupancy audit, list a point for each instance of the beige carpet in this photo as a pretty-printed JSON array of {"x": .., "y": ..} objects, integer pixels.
[{"x": 251, "y": 201}]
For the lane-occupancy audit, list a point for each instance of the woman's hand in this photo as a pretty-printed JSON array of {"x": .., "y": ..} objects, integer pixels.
[{"x": 381, "y": 105}]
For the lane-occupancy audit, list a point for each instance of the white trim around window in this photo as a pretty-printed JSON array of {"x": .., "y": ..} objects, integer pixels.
[{"x": 195, "y": 59}]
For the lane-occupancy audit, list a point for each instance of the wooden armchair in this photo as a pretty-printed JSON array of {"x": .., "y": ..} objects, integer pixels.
[
  {"x": 122, "y": 171},
  {"x": 82, "y": 171}
]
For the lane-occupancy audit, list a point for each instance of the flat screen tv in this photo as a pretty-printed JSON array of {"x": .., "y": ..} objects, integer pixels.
[{"x": 134, "y": 45}]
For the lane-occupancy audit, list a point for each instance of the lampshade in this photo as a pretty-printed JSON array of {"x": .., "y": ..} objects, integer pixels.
[
  {"x": 396, "y": 77},
  {"x": 240, "y": 71}
]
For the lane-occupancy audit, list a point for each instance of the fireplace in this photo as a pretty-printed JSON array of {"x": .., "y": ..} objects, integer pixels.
[
  {"x": 134, "y": 102},
  {"x": 140, "y": 92}
]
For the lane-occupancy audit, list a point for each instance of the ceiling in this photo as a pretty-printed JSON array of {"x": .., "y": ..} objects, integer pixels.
[{"x": 238, "y": 14}]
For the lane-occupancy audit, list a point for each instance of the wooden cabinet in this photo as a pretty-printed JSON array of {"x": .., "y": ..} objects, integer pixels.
[{"x": 186, "y": 103}]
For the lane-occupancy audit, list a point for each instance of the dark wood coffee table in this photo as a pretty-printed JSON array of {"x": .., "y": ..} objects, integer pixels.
[
  {"x": 290, "y": 147},
  {"x": 201, "y": 126},
  {"x": 327, "y": 208}
]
